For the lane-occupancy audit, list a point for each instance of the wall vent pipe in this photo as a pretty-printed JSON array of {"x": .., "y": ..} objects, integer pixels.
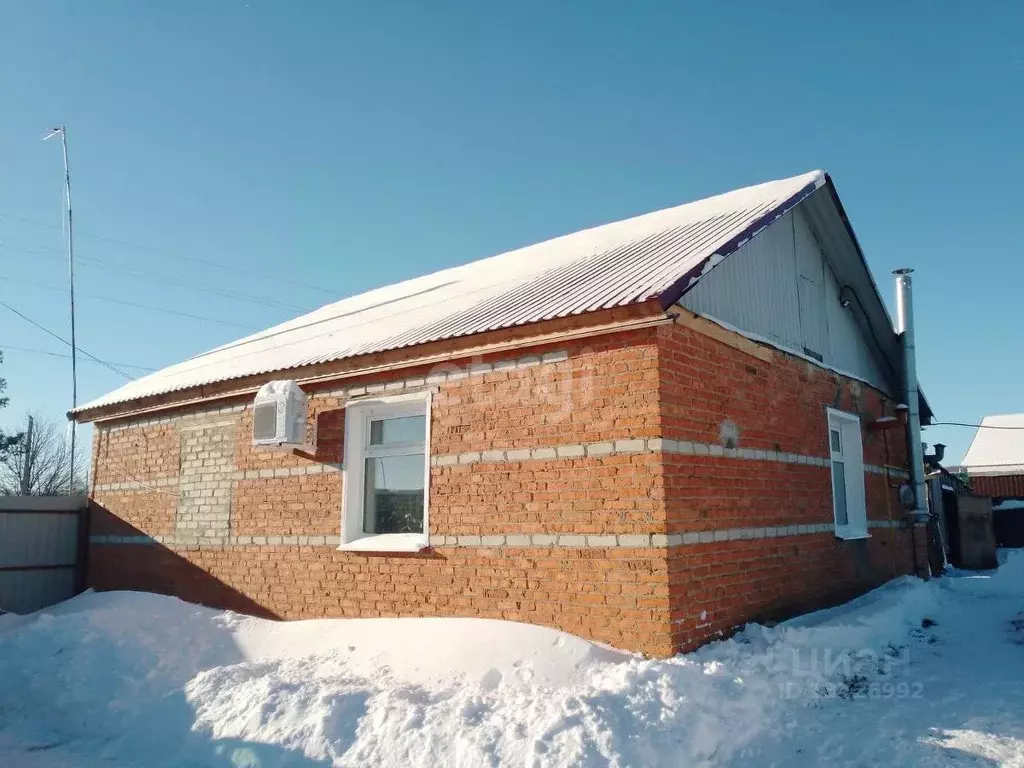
[{"x": 905, "y": 329}]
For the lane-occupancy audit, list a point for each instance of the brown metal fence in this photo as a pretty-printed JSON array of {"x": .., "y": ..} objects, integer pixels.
[{"x": 43, "y": 544}]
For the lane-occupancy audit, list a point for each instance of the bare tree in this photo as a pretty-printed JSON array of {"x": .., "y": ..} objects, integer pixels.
[
  {"x": 39, "y": 465},
  {"x": 7, "y": 442}
]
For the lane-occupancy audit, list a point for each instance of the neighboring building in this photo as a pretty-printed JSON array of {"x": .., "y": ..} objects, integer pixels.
[
  {"x": 646, "y": 433},
  {"x": 994, "y": 464},
  {"x": 995, "y": 461},
  {"x": 965, "y": 535}
]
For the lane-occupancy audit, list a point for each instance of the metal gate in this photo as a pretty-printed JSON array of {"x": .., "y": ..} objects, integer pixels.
[{"x": 43, "y": 543}]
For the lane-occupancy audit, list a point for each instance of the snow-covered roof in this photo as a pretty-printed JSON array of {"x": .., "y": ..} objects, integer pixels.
[
  {"x": 654, "y": 256},
  {"x": 995, "y": 450}
]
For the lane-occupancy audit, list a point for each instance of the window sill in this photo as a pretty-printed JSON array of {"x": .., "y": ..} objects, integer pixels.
[
  {"x": 387, "y": 542},
  {"x": 851, "y": 534}
]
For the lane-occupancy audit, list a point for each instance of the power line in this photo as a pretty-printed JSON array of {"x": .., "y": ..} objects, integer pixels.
[
  {"x": 126, "y": 270},
  {"x": 62, "y": 340},
  {"x": 36, "y": 351},
  {"x": 168, "y": 254},
  {"x": 965, "y": 424},
  {"x": 200, "y": 363},
  {"x": 113, "y": 300}
]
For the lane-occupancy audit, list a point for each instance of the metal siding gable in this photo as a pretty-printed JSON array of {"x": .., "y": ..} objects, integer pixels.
[
  {"x": 811, "y": 294},
  {"x": 755, "y": 289}
]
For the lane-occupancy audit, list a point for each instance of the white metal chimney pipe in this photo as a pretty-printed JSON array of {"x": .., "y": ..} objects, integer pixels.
[{"x": 905, "y": 327}]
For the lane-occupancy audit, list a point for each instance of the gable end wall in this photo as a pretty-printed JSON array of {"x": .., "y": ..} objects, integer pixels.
[
  {"x": 780, "y": 286},
  {"x": 748, "y": 487}
]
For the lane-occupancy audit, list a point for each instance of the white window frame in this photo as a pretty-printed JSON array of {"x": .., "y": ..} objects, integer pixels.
[
  {"x": 358, "y": 415},
  {"x": 851, "y": 455}
]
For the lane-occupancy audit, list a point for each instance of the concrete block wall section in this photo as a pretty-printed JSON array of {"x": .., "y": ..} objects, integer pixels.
[{"x": 204, "y": 482}]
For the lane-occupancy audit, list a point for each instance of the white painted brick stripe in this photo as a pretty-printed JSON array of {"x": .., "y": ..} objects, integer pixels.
[
  {"x": 513, "y": 540},
  {"x": 187, "y": 417},
  {"x": 451, "y": 373},
  {"x": 304, "y": 469},
  {"x": 232, "y": 541},
  {"x": 640, "y": 445},
  {"x": 131, "y": 485},
  {"x": 193, "y": 425},
  {"x": 249, "y": 474}
]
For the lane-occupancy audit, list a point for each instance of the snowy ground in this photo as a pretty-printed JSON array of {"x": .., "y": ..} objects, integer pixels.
[{"x": 911, "y": 674}]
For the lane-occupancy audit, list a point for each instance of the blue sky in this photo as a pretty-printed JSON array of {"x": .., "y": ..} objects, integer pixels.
[{"x": 341, "y": 146}]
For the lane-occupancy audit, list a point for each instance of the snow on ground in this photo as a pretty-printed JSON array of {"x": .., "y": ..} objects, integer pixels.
[{"x": 912, "y": 673}]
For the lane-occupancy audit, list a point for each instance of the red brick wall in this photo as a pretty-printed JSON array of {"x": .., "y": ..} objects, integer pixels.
[
  {"x": 663, "y": 382},
  {"x": 612, "y": 494},
  {"x": 128, "y": 512},
  {"x": 777, "y": 405},
  {"x": 717, "y": 586},
  {"x": 148, "y": 455},
  {"x": 148, "y": 451},
  {"x": 616, "y": 596},
  {"x": 605, "y": 389},
  {"x": 309, "y": 505}
]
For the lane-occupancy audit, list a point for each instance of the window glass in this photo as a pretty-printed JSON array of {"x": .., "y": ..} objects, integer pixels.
[
  {"x": 839, "y": 492},
  {"x": 404, "y": 429},
  {"x": 393, "y": 493},
  {"x": 837, "y": 441}
]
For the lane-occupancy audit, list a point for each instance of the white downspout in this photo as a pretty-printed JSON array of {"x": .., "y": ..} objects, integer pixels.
[{"x": 905, "y": 328}]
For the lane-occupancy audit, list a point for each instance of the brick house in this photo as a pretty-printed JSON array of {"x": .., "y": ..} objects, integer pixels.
[{"x": 646, "y": 433}]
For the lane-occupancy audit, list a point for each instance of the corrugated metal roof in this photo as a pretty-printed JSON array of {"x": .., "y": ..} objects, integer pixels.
[
  {"x": 998, "y": 446},
  {"x": 657, "y": 255}
]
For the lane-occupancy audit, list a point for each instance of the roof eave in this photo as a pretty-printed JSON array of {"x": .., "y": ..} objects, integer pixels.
[{"x": 609, "y": 320}]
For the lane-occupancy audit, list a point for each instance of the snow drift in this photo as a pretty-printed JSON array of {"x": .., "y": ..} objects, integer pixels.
[{"x": 135, "y": 679}]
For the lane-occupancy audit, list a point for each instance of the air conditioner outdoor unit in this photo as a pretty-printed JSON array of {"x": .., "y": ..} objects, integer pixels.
[{"x": 279, "y": 415}]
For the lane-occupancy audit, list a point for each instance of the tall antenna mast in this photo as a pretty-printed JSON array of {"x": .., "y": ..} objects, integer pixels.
[{"x": 62, "y": 131}]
